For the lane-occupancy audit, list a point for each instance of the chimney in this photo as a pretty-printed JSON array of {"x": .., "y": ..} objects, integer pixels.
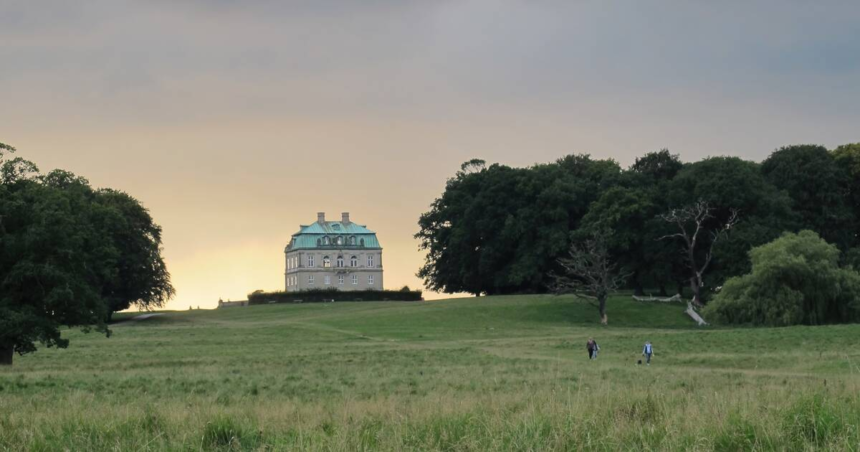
[
  {"x": 345, "y": 218},
  {"x": 321, "y": 217}
]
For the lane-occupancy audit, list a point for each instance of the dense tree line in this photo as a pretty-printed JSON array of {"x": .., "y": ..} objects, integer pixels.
[
  {"x": 70, "y": 255},
  {"x": 501, "y": 230}
]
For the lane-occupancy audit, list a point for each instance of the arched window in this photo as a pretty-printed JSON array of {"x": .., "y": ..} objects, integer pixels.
[
  {"x": 340, "y": 261},
  {"x": 352, "y": 240},
  {"x": 326, "y": 241},
  {"x": 353, "y": 261},
  {"x": 340, "y": 240},
  {"x": 327, "y": 262},
  {"x": 319, "y": 242},
  {"x": 362, "y": 242}
]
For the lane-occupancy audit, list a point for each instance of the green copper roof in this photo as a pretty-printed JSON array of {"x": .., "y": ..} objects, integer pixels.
[
  {"x": 334, "y": 227},
  {"x": 314, "y": 236}
]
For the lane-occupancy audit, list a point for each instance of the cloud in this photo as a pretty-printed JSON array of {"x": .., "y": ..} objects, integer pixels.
[{"x": 242, "y": 119}]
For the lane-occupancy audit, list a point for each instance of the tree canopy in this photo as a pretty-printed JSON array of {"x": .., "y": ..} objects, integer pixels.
[
  {"x": 497, "y": 229},
  {"x": 69, "y": 256},
  {"x": 796, "y": 279}
]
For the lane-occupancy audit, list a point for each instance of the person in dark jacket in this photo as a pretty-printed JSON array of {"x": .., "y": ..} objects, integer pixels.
[{"x": 592, "y": 348}]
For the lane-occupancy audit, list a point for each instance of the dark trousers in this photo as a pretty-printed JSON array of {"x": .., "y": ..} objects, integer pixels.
[
  {"x": 591, "y": 354},
  {"x": 648, "y": 358}
]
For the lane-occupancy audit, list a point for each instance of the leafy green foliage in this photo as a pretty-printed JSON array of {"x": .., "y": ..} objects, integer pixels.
[
  {"x": 795, "y": 279},
  {"x": 727, "y": 184},
  {"x": 847, "y": 159},
  {"x": 628, "y": 215},
  {"x": 69, "y": 256},
  {"x": 810, "y": 175},
  {"x": 498, "y": 230},
  {"x": 139, "y": 276}
]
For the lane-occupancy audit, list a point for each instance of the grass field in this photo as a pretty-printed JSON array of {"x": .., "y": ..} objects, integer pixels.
[{"x": 500, "y": 373}]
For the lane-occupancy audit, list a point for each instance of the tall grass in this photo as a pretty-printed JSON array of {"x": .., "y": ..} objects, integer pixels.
[{"x": 392, "y": 377}]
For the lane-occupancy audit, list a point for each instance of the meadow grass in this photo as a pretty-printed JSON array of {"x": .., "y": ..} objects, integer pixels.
[{"x": 497, "y": 373}]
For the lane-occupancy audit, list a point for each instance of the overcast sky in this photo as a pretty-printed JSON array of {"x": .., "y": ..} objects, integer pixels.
[{"x": 234, "y": 122}]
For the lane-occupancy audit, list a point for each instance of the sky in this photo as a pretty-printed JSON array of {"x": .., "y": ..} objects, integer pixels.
[{"x": 235, "y": 122}]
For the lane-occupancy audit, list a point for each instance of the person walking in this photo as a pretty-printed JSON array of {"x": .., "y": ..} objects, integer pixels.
[
  {"x": 591, "y": 346},
  {"x": 647, "y": 351}
]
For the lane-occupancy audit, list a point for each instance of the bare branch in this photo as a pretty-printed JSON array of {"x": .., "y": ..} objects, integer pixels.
[
  {"x": 692, "y": 221},
  {"x": 589, "y": 273}
]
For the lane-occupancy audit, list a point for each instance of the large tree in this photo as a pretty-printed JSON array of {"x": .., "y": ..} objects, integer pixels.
[
  {"x": 139, "y": 277},
  {"x": 58, "y": 258},
  {"x": 847, "y": 159},
  {"x": 795, "y": 279},
  {"x": 628, "y": 211},
  {"x": 728, "y": 185},
  {"x": 499, "y": 230},
  {"x": 623, "y": 215},
  {"x": 588, "y": 271},
  {"x": 818, "y": 189},
  {"x": 698, "y": 235}
]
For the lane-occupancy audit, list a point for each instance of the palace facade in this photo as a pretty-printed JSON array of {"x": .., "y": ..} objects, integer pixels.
[{"x": 338, "y": 255}]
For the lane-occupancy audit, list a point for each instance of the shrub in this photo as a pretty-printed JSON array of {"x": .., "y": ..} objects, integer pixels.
[
  {"x": 321, "y": 295},
  {"x": 796, "y": 279}
]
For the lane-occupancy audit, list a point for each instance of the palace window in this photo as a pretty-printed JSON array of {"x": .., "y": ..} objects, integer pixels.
[
  {"x": 340, "y": 279},
  {"x": 354, "y": 280},
  {"x": 352, "y": 240},
  {"x": 310, "y": 280},
  {"x": 327, "y": 280},
  {"x": 340, "y": 240},
  {"x": 311, "y": 261},
  {"x": 370, "y": 260},
  {"x": 326, "y": 241},
  {"x": 362, "y": 242},
  {"x": 340, "y": 261},
  {"x": 326, "y": 262},
  {"x": 369, "y": 280},
  {"x": 353, "y": 261}
]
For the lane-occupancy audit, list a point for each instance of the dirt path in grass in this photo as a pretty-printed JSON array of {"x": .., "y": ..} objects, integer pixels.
[{"x": 138, "y": 318}]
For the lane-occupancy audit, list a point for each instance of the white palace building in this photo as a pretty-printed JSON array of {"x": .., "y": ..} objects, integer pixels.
[{"x": 338, "y": 255}]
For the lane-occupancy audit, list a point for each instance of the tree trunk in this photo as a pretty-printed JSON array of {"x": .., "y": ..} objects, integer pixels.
[
  {"x": 602, "y": 305},
  {"x": 663, "y": 292},
  {"x": 681, "y": 289},
  {"x": 637, "y": 289},
  {"x": 6, "y": 354},
  {"x": 697, "y": 290}
]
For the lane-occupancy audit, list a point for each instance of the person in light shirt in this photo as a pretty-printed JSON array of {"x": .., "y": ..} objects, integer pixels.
[{"x": 647, "y": 351}]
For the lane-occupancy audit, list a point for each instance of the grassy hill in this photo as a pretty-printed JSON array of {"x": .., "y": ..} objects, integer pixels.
[{"x": 496, "y": 373}]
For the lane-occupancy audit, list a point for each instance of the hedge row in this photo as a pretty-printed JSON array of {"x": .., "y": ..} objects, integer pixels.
[{"x": 323, "y": 295}]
